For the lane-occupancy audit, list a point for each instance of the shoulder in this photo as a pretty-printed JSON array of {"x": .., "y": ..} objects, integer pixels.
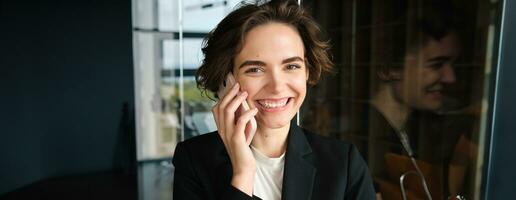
[
  {"x": 203, "y": 147},
  {"x": 208, "y": 142},
  {"x": 209, "y": 139}
]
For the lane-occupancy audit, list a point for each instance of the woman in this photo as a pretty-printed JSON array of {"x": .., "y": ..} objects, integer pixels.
[{"x": 273, "y": 51}]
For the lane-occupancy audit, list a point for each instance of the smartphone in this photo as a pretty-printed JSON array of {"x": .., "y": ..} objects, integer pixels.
[{"x": 224, "y": 88}]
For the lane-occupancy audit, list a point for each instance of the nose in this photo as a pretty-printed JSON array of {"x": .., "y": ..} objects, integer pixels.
[
  {"x": 276, "y": 81},
  {"x": 448, "y": 74}
]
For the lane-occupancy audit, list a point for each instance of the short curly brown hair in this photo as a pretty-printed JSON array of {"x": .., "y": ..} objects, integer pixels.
[{"x": 222, "y": 44}]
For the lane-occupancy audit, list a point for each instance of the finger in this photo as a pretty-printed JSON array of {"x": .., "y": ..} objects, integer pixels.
[
  {"x": 229, "y": 96},
  {"x": 234, "y": 105},
  {"x": 231, "y": 108},
  {"x": 221, "y": 107},
  {"x": 229, "y": 115},
  {"x": 220, "y": 126},
  {"x": 241, "y": 124},
  {"x": 250, "y": 130}
]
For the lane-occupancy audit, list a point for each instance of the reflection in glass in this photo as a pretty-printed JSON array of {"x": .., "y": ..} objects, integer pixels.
[{"x": 407, "y": 92}]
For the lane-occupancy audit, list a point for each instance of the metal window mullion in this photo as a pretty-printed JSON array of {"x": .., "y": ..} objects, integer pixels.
[
  {"x": 181, "y": 67},
  {"x": 298, "y": 116}
]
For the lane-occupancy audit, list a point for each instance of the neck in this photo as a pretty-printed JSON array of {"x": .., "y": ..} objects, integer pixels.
[
  {"x": 394, "y": 111},
  {"x": 271, "y": 142}
]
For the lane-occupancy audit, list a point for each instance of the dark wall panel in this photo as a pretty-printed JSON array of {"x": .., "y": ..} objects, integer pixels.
[{"x": 66, "y": 72}]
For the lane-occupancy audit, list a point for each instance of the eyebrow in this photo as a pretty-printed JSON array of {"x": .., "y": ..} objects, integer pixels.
[
  {"x": 292, "y": 59},
  {"x": 439, "y": 58},
  {"x": 260, "y": 63}
]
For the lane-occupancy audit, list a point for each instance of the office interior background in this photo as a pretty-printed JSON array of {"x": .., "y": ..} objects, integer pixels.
[{"x": 96, "y": 94}]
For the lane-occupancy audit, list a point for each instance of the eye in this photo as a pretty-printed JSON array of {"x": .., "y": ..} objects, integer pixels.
[
  {"x": 253, "y": 70},
  {"x": 293, "y": 66},
  {"x": 436, "y": 65}
]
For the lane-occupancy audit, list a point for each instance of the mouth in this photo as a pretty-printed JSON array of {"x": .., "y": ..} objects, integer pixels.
[
  {"x": 435, "y": 91},
  {"x": 435, "y": 94},
  {"x": 436, "y": 87},
  {"x": 272, "y": 105}
]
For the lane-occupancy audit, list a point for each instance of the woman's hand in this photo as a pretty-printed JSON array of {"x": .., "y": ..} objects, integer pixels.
[{"x": 232, "y": 133}]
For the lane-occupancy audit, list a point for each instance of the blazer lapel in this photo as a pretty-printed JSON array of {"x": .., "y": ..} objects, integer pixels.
[{"x": 299, "y": 172}]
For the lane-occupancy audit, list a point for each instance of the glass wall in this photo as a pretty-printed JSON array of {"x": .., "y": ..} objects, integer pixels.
[
  {"x": 167, "y": 50},
  {"x": 167, "y": 38},
  {"x": 409, "y": 90}
]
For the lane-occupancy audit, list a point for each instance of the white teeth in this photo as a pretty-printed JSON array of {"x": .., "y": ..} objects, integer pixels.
[{"x": 273, "y": 104}]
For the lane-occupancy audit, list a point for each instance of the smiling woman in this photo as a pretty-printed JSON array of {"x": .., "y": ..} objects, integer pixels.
[{"x": 273, "y": 51}]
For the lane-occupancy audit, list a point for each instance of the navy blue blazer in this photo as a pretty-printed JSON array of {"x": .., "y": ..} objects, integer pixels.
[{"x": 315, "y": 168}]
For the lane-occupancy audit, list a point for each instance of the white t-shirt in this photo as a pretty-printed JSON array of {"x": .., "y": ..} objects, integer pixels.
[{"x": 268, "y": 179}]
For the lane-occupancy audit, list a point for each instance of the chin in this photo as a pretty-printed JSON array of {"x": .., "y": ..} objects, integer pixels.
[
  {"x": 433, "y": 106},
  {"x": 274, "y": 122}
]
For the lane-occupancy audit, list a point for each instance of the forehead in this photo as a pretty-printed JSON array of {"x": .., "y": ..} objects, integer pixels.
[
  {"x": 448, "y": 46},
  {"x": 271, "y": 41}
]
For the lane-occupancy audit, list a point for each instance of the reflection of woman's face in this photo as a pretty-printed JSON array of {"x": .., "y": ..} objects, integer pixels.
[
  {"x": 271, "y": 68},
  {"x": 426, "y": 74}
]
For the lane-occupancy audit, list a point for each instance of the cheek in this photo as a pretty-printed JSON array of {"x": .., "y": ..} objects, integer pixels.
[
  {"x": 300, "y": 86},
  {"x": 251, "y": 87},
  {"x": 431, "y": 77},
  {"x": 415, "y": 79}
]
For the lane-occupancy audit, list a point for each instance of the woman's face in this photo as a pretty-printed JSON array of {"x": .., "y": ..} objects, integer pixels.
[{"x": 271, "y": 68}]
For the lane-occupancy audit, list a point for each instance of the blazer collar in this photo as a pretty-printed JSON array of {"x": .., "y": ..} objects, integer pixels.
[{"x": 299, "y": 172}]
